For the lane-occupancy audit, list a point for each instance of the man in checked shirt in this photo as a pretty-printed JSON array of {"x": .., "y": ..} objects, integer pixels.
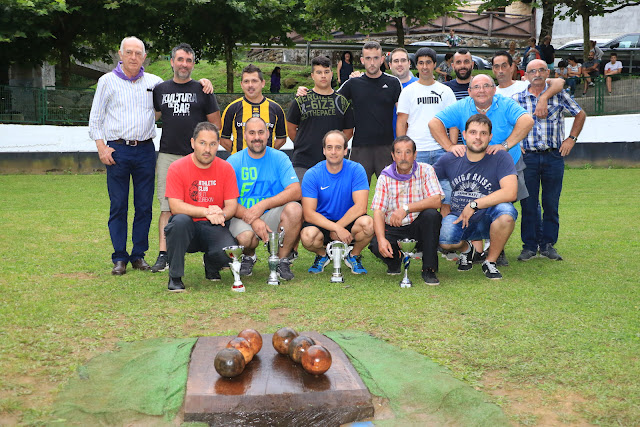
[{"x": 405, "y": 205}]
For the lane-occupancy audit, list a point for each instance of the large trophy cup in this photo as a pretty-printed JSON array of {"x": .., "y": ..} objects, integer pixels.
[
  {"x": 235, "y": 253},
  {"x": 273, "y": 244},
  {"x": 337, "y": 251},
  {"x": 407, "y": 247}
]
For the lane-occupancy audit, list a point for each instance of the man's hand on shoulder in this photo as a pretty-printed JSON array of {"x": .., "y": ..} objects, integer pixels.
[
  {"x": 207, "y": 87},
  {"x": 458, "y": 150},
  {"x": 302, "y": 91},
  {"x": 492, "y": 149},
  {"x": 355, "y": 74}
]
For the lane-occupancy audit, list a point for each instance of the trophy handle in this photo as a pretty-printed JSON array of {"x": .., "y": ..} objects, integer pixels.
[{"x": 281, "y": 237}]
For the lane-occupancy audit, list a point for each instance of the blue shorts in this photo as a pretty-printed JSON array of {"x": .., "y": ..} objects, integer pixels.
[
  {"x": 431, "y": 157},
  {"x": 452, "y": 234}
]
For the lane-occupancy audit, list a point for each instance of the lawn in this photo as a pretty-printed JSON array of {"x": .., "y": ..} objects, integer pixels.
[{"x": 552, "y": 343}]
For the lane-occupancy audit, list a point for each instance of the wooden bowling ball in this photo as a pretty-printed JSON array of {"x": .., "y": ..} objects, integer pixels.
[
  {"x": 229, "y": 362},
  {"x": 254, "y": 338},
  {"x": 243, "y": 346},
  {"x": 282, "y": 338},
  {"x": 316, "y": 360},
  {"x": 299, "y": 346}
]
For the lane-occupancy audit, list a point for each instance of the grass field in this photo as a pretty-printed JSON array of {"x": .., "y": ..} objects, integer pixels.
[{"x": 552, "y": 343}]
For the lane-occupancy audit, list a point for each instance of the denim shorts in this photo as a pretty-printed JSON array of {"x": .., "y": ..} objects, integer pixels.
[
  {"x": 431, "y": 157},
  {"x": 452, "y": 234}
]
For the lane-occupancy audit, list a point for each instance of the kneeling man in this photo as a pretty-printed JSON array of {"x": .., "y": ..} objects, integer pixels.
[
  {"x": 269, "y": 190},
  {"x": 202, "y": 193},
  {"x": 483, "y": 185},
  {"x": 335, "y": 193},
  {"x": 405, "y": 205}
]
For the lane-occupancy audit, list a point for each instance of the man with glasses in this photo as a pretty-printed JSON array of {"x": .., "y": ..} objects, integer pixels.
[{"x": 545, "y": 147}]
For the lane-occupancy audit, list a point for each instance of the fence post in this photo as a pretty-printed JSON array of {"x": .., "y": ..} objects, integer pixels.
[
  {"x": 490, "y": 24},
  {"x": 43, "y": 106},
  {"x": 599, "y": 97}
]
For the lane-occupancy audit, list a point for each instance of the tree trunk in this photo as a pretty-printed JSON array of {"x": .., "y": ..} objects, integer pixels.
[
  {"x": 399, "y": 30},
  {"x": 546, "y": 25},
  {"x": 65, "y": 66},
  {"x": 228, "y": 56},
  {"x": 586, "y": 35}
]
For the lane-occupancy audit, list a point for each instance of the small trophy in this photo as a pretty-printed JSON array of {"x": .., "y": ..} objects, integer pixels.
[
  {"x": 407, "y": 246},
  {"x": 273, "y": 244},
  {"x": 337, "y": 251},
  {"x": 235, "y": 253}
]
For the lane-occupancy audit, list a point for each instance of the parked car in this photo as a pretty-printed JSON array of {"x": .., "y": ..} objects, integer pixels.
[{"x": 479, "y": 63}]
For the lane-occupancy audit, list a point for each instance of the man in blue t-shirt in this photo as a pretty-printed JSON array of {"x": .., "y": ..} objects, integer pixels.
[
  {"x": 335, "y": 193},
  {"x": 269, "y": 190},
  {"x": 483, "y": 185}
]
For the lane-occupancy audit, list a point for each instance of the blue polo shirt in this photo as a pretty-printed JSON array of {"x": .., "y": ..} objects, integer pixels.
[{"x": 504, "y": 113}]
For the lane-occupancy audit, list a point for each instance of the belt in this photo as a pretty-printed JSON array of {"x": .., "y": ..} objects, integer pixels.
[
  {"x": 131, "y": 143},
  {"x": 546, "y": 150}
]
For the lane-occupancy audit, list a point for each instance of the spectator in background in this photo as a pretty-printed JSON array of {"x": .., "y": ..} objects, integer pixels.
[
  {"x": 345, "y": 67},
  {"x": 452, "y": 39},
  {"x": 275, "y": 80},
  {"x": 445, "y": 68},
  {"x": 547, "y": 52},
  {"x": 517, "y": 59},
  {"x": 574, "y": 71},
  {"x": 591, "y": 68},
  {"x": 598, "y": 53},
  {"x": 531, "y": 52},
  {"x": 561, "y": 71},
  {"x": 612, "y": 71}
]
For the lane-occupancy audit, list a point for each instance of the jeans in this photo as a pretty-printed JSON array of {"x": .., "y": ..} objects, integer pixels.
[
  {"x": 544, "y": 169},
  {"x": 431, "y": 157},
  {"x": 452, "y": 234},
  {"x": 138, "y": 164}
]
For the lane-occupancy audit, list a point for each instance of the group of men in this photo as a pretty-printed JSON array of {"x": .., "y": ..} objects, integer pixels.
[{"x": 447, "y": 159}]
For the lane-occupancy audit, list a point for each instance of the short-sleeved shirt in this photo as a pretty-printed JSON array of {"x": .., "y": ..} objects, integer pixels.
[
  {"x": 547, "y": 53},
  {"x": 616, "y": 66},
  {"x": 588, "y": 64},
  {"x": 260, "y": 179},
  {"x": 201, "y": 187},
  {"x": 395, "y": 109},
  {"x": 334, "y": 192},
  {"x": 461, "y": 91},
  {"x": 315, "y": 115},
  {"x": 516, "y": 86},
  {"x": 373, "y": 101},
  {"x": 504, "y": 113},
  {"x": 239, "y": 111},
  {"x": 421, "y": 103},
  {"x": 183, "y": 106},
  {"x": 472, "y": 180},
  {"x": 391, "y": 194}
]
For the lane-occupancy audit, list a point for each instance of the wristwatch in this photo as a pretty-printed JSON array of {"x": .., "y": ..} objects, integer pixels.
[
  {"x": 575, "y": 138},
  {"x": 473, "y": 205},
  {"x": 505, "y": 145},
  {"x": 406, "y": 208}
]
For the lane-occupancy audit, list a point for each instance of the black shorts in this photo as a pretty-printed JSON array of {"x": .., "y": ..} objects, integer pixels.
[{"x": 325, "y": 233}]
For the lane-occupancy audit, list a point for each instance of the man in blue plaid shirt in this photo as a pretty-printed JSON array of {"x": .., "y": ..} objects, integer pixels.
[{"x": 544, "y": 150}]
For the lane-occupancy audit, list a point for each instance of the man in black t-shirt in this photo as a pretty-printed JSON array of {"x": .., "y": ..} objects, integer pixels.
[
  {"x": 313, "y": 115},
  {"x": 182, "y": 105}
]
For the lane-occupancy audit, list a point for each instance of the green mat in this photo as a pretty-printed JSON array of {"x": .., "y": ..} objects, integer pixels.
[
  {"x": 420, "y": 392},
  {"x": 148, "y": 379},
  {"x": 139, "y": 380}
]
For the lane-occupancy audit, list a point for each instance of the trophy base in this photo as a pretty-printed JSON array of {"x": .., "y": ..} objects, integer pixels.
[
  {"x": 237, "y": 287},
  {"x": 273, "y": 282},
  {"x": 404, "y": 284},
  {"x": 338, "y": 279}
]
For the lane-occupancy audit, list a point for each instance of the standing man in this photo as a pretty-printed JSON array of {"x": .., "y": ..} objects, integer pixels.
[
  {"x": 122, "y": 124},
  {"x": 335, "y": 193},
  {"x": 202, "y": 193},
  {"x": 462, "y": 67},
  {"x": 483, "y": 187},
  {"x": 545, "y": 148},
  {"x": 311, "y": 116},
  {"x": 547, "y": 52},
  {"x": 252, "y": 104},
  {"x": 182, "y": 104},
  {"x": 405, "y": 205},
  {"x": 401, "y": 68},
  {"x": 269, "y": 190},
  {"x": 452, "y": 39},
  {"x": 612, "y": 70}
]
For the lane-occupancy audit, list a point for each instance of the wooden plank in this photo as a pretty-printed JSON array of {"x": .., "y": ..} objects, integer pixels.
[{"x": 273, "y": 390}]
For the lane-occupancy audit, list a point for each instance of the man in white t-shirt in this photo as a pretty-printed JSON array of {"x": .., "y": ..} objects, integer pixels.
[{"x": 612, "y": 71}]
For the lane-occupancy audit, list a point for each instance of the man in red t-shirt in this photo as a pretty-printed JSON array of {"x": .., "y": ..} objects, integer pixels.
[{"x": 203, "y": 194}]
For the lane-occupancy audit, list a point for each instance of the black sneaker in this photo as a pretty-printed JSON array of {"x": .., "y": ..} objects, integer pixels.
[
  {"x": 293, "y": 255},
  {"x": 284, "y": 269},
  {"x": 502, "y": 260},
  {"x": 175, "y": 284},
  {"x": 465, "y": 261},
  {"x": 162, "y": 264},
  {"x": 479, "y": 257},
  {"x": 214, "y": 276},
  {"x": 246, "y": 267},
  {"x": 526, "y": 255},
  {"x": 429, "y": 277},
  {"x": 490, "y": 270},
  {"x": 393, "y": 269},
  {"x": 548, "y": 251}
]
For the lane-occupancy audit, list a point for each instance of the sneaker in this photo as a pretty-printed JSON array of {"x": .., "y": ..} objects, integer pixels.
[
  {"x": 429, "y": 277},
  {"x": 550, "y": 252},
  {"x": 502, "y": 260},
  {"x": 246, "y": 267},
  {"x": 284, "y": 269},
  {"x": 449, "y": 255},
  {"x": 394, "y": 269},
  {"x": 591, "y": 84},
  {"x": 354, "y": 262},
  {"x": 479, "y": 257},
  {"x": 214, "y": 276},
  {"x": 318, "y": 264},
  {"x": 175, "y": 284},
  {"x": 162, "y": 264},
  {"x": 490, "y": 270},
  {"x": 526, "y": 255},
  {"x": 465, "y": 262}
]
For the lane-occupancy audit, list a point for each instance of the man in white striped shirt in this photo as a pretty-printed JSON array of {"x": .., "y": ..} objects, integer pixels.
[{"x": 122, "y": 123}]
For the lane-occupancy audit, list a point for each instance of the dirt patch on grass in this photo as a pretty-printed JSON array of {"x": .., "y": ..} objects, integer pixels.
[{"x": 532, "y": 406}]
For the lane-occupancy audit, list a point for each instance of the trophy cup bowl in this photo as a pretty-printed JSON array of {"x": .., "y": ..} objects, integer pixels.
[
  {"x": 273, "y": 244},
  {"x": 235, "y": 253},
  {"x": 337, "y": 250},
  {"x": 407, "y": 247}
]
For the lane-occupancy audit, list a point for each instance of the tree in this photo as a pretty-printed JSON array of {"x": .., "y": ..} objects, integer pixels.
[{"x": 374, "y": 15}]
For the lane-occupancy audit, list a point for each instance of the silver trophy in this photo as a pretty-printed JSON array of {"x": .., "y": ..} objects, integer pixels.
[
  {"x": 273, "y": 244},
  {"x": 407, "y": 247},
  {"x": 235, "y": 253},
  {"x": 337, "y": 251}
]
